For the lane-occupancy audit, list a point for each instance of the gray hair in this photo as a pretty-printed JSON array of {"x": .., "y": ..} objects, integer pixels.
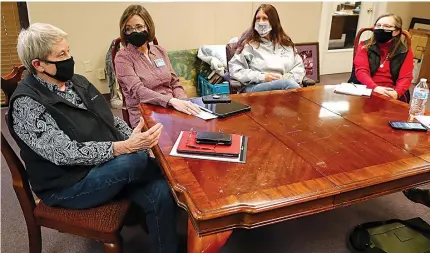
[{"x": 36, "y": 42}]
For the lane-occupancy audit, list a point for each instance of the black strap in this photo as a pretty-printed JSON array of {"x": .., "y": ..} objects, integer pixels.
[{"x": 374, "y": 250}]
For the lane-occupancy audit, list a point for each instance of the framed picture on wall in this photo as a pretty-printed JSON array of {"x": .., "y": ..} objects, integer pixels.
[
  {"x": 420, "y": 23},
  {"x": 310, "y": 55}
]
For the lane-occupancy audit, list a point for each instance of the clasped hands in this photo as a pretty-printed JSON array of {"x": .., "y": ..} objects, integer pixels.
[
  {"x": 269, "y": 77},
  {"x": 390, "y": 92}
]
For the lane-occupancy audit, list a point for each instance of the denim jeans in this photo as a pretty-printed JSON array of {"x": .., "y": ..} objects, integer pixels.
[
  {"x": 282, "y": 84},
  {"x": 134, "y": 176}
]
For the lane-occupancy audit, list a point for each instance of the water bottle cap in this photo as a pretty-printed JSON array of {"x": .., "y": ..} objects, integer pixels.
[{"x": 423, "y": 80}]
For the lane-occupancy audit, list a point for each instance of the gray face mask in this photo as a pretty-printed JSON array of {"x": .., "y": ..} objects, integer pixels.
[{"x": 263, "y": 28}]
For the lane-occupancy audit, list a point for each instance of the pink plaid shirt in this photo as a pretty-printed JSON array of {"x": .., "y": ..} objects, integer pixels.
[{"x": 144, "y": 81}]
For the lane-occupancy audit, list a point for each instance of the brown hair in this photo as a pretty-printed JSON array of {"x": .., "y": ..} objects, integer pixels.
[
  {"x": 140, "y": 11},
  {"x": 277, "y": 35},
  {"x": 397, "y": 39}
]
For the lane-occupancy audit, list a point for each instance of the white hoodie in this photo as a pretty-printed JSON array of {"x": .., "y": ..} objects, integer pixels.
[{"x": 252, "y": 64}]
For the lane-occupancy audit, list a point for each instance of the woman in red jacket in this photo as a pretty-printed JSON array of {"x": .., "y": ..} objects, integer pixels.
[{"x": 384, "y": 63}]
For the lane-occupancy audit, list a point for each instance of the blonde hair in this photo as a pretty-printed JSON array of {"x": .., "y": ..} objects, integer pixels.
[
  {"x": 397, "y": 39},
  {"x": 36, "y": 42},
  {"x": 140, "y": 11}
]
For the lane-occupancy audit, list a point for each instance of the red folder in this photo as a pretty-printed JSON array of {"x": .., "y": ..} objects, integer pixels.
[{"x": 209, "y": 149}]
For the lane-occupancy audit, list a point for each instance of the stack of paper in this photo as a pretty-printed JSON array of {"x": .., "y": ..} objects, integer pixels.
[
  {"x": 206, "y": 115},
  {"x": 425, "y": 120},
  {"x": 353, "y": 89},
  {"x": 240, "y": 159}
]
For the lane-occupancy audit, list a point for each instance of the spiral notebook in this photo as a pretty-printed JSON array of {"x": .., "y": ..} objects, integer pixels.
[{"x": 353, "y": 89}]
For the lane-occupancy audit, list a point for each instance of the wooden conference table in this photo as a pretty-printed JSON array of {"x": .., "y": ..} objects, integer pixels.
[{"x": 309, "y": 151}]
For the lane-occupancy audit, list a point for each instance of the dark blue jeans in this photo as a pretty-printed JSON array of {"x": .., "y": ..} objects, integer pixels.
[{"x": 134, "y": 176}]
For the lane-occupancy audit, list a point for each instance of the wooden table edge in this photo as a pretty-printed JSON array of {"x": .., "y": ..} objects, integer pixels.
[{"x": 197, "y": 216}]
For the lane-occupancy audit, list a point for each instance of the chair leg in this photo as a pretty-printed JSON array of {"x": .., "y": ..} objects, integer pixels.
[
  {"x": 34, "y": 239},
  {"x": 115, "y": 247}
]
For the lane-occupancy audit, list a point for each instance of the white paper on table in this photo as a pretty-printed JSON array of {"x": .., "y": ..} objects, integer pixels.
[
  {"x": 353, "y": 89},
  {"x": 206, "y": 115},
  {"x": 174, "y": 152},
  {"x": 425, "y": 120}
]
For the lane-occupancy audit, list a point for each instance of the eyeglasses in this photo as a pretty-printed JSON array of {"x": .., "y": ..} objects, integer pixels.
[
  {"x": 138, "y": 28},
  {"x": 190, "y": 145},
  {"x": 384, "y": 26}
]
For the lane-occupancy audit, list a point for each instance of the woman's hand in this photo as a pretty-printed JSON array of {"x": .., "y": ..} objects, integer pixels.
[
  {"x": 393, "y": 94},
  {"x": 184, "y": 106},
  {"x": 271, "y": 77},
  {"x": 138, "y": 140},
  {"x": 384, "y": 90}
]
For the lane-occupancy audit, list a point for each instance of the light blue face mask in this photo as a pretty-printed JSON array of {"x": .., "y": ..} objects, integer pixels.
[{"x": 263, "y": 28}]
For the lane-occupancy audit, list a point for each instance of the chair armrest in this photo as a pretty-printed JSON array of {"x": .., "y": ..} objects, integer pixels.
[
  {"x": 235, "y": 86},
  {"x": 308, "y": 82}
]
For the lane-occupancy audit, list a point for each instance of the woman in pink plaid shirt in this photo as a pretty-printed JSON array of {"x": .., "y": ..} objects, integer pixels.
[{"x": 144, "y": 71}]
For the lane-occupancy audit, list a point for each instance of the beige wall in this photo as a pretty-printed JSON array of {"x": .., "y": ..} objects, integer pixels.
[
  {"x": 299, "y": 20},
  {"x": 420, "y": 9},
  {"x": 408, "y": 10},
  {"x": 92, "y": 26},
  {"x": 403, "y": 9}
]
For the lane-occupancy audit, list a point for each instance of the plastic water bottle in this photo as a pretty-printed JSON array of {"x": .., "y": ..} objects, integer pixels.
[{"x": 419, "y": 99}]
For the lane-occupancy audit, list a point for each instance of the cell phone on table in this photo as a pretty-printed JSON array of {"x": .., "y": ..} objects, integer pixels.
[
  {"x": 216, "y": 99},
  {"x": 411, "y": 126},
  {"x": 213, "y": 138}
]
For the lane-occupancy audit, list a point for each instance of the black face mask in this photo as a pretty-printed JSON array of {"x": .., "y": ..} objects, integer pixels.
[
  {"x": 137, "y": 39},
  {"x": 65, "y": 69},
  {"x": 382, "y": 36}
]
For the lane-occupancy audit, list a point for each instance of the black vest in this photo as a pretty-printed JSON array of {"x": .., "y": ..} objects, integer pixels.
[
  {"x": 396, "y": 63},
  {"x": 96, "y": 123}
]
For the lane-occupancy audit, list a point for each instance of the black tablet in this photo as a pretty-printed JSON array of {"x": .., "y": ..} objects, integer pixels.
[{"x": 226, "y": 109}]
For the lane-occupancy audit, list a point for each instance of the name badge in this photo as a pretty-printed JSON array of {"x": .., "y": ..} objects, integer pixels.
[{"x": 159, "y": 62}]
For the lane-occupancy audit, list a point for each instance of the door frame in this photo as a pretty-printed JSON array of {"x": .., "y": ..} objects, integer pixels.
[{"x": 379, "y": 9}]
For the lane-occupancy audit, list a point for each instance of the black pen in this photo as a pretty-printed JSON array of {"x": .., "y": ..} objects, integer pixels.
[{"x": 206, "y": 110}]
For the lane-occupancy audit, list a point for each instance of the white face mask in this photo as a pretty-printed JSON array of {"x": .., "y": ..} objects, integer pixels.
[{"x": 263, "y": 28}]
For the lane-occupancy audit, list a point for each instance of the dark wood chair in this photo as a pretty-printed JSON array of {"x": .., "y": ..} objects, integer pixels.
[
  {"x": 234, "y": 85},
  {"x": 10, "y": 81},
  {"x": 353, "y": 79},
  {"x": 115, "y": 49},
  {"x": 102, "y": 223}
]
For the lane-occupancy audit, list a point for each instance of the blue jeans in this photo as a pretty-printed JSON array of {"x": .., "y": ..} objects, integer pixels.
[
  {"x": 134, "y": 176},
  {"x": 281, "y": 84}
]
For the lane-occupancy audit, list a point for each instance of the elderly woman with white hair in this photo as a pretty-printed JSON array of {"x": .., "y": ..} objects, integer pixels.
[{"x": 77, "y": 154}]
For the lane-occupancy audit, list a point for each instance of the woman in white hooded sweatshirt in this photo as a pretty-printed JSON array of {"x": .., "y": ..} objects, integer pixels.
[{"x": 266, "y": 58}]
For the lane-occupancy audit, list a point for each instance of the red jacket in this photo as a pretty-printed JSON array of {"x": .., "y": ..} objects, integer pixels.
[{"x": 382, "y": 77}]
